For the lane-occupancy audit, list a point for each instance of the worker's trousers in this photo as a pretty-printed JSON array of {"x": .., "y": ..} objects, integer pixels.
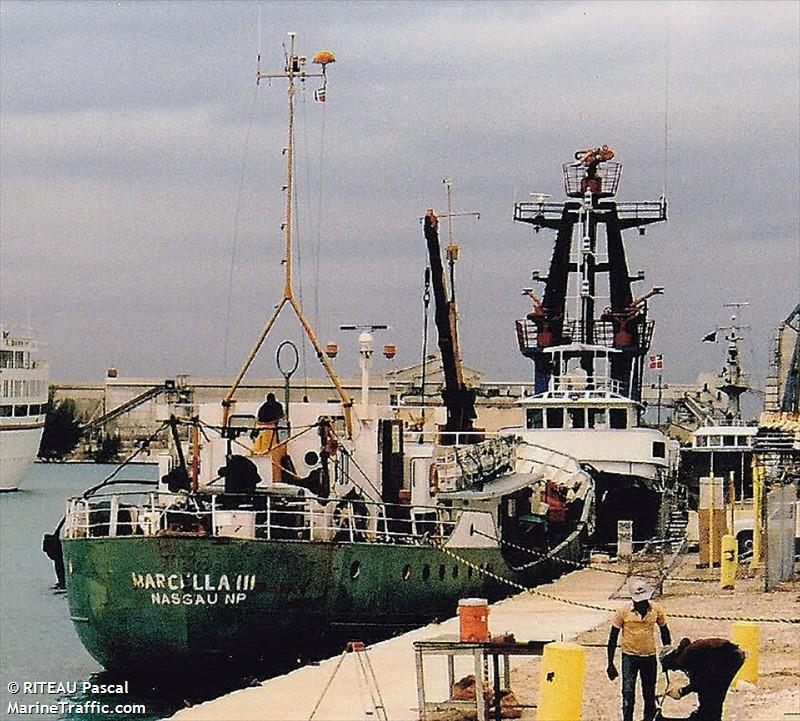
[{"x": 645, "y": 667}]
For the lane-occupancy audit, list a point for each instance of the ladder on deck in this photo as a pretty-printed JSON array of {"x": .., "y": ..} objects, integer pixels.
[{"x": 366, "y": 679}]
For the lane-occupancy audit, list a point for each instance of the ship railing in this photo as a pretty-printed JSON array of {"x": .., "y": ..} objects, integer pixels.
[
  {"x": 256, "y": 516},
  {"x": 570, "y": 330},
  {"x": 606, "y": 179},
  {"x": 592, "y": 387}
]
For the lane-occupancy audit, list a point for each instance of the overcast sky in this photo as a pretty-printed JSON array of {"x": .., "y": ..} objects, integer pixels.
[{"x": 128, "y": 127}]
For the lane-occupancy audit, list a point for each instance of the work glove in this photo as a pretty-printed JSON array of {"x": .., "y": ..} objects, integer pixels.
[
  {"x": 611, "y": 671},
  {"x": 674, "y": 690}
]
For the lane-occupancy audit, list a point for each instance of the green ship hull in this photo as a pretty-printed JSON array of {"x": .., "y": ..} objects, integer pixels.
[{"x": 142, "y": 604}]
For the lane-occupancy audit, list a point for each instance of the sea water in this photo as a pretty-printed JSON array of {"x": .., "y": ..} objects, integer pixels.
[{"x": 38, "y": 644}]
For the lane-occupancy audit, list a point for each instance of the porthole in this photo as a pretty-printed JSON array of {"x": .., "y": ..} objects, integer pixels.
[
  {"x": 455, "y": 571},
  {"x": 442, "y": 572},
  {"x": 406, "y": 574},
  {"x": 355, "y": 570},
  {"x": 426, "y": 572}
]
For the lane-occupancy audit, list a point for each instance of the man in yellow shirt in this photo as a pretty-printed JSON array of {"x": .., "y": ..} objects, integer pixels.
[{"x": 637, "y": 622}]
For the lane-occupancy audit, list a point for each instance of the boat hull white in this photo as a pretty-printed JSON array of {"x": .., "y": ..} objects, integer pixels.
[{"x": 18, "y": 449}]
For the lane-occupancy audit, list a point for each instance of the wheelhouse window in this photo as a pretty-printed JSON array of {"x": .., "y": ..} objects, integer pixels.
[
  {"x": 6, "y": 410},
  {"x": 618, "y": 418},
  {"x": 577, "y": 417},
  {"x": 743, "y": 440},
  {"x": 596, "y": 417},
  {"x": 659, "y": 449},
  {"x": 20, "y": 410},
  {"x": 728, "y": 440},
  {"x": 555, "y": 417},
  {"x": 700, "y": 442},
  {"x": 534, "y": 418},
  {"x": 715, "y": 441}
]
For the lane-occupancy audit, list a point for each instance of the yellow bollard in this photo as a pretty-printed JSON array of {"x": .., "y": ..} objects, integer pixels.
[
  {"x": 747, "y": 636},
  {"x": 561, "y": 682},
  {"x": 729, "y": 562}
]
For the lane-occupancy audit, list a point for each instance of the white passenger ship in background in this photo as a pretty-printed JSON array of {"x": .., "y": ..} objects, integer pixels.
[{"x": 23, "y": 403}]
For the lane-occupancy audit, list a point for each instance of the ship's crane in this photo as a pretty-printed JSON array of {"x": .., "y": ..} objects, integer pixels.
[
  {"x": 458, "y": 399},
  {"x": 636, "y": 309}
]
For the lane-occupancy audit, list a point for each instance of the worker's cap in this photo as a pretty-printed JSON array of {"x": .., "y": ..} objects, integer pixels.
[{"x": 640, "y": 590}]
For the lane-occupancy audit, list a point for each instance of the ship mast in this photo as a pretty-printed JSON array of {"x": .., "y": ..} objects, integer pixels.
[
  {"x": 622, "y": 330},
  {"x": 733, "y": 379},
  {"x": 294, "y": 70}
]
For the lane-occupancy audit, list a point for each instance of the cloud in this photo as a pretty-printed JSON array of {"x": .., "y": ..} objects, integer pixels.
[{"x": 123, "y": 129}]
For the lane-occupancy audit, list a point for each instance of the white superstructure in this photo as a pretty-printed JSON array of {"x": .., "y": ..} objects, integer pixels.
[
  {"x": 23, "y": 403},
  {"x": 591, "y": 419}
]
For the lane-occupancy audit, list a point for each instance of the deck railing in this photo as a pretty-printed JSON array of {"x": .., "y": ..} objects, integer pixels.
[{"x": 258, "y": 516}]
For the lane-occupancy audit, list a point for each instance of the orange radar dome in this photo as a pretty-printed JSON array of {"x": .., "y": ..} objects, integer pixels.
[{"x": 323, "y": 57}]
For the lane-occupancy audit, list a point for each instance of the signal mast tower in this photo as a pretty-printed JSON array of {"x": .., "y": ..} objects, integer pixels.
[{"x": 566, "y": 314}]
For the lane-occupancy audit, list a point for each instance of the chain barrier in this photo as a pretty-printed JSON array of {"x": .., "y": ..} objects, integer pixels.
[
  {"x": 579, "y": 565},
  {"x": 595, "y": 607},
  {"x": 741, "y": 571}
]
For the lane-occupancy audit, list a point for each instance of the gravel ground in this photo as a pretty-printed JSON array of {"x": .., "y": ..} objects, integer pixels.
[{"x": 775, "y": 698}]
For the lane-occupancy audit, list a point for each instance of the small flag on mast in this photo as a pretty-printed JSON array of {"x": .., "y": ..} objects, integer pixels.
[
  {"x": 319, "y": 94},
  {"x": 710, "y": 338},
  {"x": 656, "y": 362}
]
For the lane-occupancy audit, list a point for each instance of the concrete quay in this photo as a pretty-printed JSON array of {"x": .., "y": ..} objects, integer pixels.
[{"x": 528, "y": 616}]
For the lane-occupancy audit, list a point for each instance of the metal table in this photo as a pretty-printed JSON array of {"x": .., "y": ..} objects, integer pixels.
[{"x": 450, "y": 646}]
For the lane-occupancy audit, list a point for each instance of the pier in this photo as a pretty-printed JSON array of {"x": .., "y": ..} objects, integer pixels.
[{"x": 695, "y": 608}]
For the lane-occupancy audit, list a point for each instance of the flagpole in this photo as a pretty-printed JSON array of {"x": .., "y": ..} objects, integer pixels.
[{"x": 658, "y": 417}]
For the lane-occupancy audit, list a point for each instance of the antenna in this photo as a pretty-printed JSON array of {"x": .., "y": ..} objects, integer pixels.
[{"x": 452, "y": 249}]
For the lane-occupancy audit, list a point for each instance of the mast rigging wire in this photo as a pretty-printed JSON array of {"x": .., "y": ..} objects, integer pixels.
[
  {"x": 299, "y": 256},
  {"x": 666, "y": 101},
  {"x": 320, "y": 195},
  {"x": 426, "y": 301},
  {"x": 315, "y": 226},
  {"x": 237, "y": 216}
]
